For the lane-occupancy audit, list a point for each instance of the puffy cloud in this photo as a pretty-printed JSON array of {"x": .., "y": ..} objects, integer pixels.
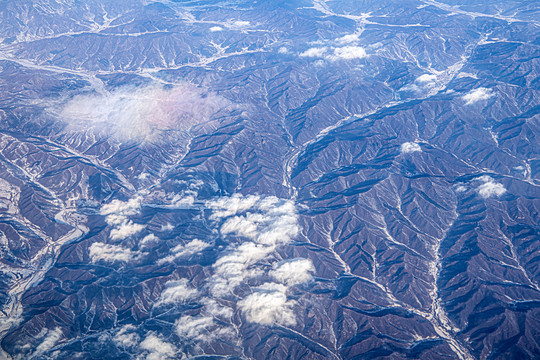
[
  {"x": 273, "y": 222},
  {"x": 489, "y": 187},
  {"x": 125, "y": 230},
  {"x": 293, "y": 272},
  {"x": 191, "y": 248},
  {"x": 122, "y": 208},
  {"x": 167, "y": 227},
  {"x": 241, "y": 225},
  {"x": 410, "y": 147},
  {"x": 111, "y": 253},
  {"x": 426, "y": 78},
  {"x": 154, "y": 348},
  {"x": 476, "y": 95},
  {"x": 148, "y": 239},
  {"x": 116, "y": 214},
  {"x": 180, "y": 201},
  {"x": 216, "y": 309},
  {"x": 349, "y": 53},
  {"x": 255, "y": 227},
  {"x": 143, "y": 176},
  {"x": 233, "y": 269},
  {"x": 216, "y": 28},
  {"x": 126, "y": 337},
  {"x": 238, "y": 24},
  {"x": 268, "y": 306},
  {"x": 201, "y": 329},
  {"x": 51, "y": 338},
  {"x": 314, "y": 52},
  {"x": 176, "y": 292},
  {"x": 142, "y": 112},
  {"x": 267, "y": 223},
  {"x": 348, "y": 39},
  {"x": 283, "y": 50},
  {"x": 195, "y": 328},
  {"x": 422, "y": 83},
  {"x": 231, "y": 205}
]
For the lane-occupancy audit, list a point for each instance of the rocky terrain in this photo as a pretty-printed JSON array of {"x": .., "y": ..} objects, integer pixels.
[{"x": 347, "y": 179}]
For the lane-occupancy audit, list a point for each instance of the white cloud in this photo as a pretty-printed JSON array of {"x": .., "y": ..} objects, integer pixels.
[
  {"x": 176, "y": 291},
  {"x": 233, "y": 268},
  {"x": 196, "y": 184},
  {"x": 268, "y": 306},
  {"x": 126, "y": 337},
  {"x": 122, "y": 208},
  {"x": 181, "y": 201},
  {"x": 230, "y": 205},
  {"x": 142, "y": 112},
  {"x": 422, "y": 83},
  {"x": 489, "y": 187},
  {"x": 111, "y": 253},
  {"x": 410, "y": 147},
  {"x": 216, "y": 309},
  {"x": 283, "y": 50},
  {"x": 195, "y": 328},
  {"x": 125, "y": 230},
  {"x": 293, "y": 272},
  {"x": 239, "y": 24},
  {"x": 476, "y": 95},
  {"x": 349, "y": 53},
  {"x": 201, "y": 329},
  {"x": 339, "y": 53},
  {"x": 167, "y": 227},
  {"x": 426, "y": 78},
  {"x": 51, "y": 339},
  {"x": 254, "y": 227},
  {"x": 148, "y": 239},
  {"x": 116, "y": 214},
  {"x": 216, "y": 28},
  {"x": 143, "y": 176},
  {"x": 191, "y": 248},
  {"x": 314, "y": 52},
  {"x": 241, "y": 225},
  {"x": 267, "y": 223},
  {"x": 156, "y": 348},
  {"x": 348, "y": 39}
]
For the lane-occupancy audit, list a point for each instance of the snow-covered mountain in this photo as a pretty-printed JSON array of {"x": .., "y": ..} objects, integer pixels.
[{"x": 340, "y": 179}]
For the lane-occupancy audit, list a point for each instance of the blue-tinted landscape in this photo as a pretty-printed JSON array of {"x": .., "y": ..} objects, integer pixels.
[{"x": 323, "y": 179}]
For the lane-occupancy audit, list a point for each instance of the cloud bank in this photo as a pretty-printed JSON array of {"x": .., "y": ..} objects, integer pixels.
[
  {"x": 155, "y": 348},
  {"x": 293, "y": 272},
  {"x": 177, "y": 291},
  {"x": 50, "y": 339},
  {"x": 191, "y": 248},
  {"x": 269, "y": 223},
  {"x": 117, "y": 213},
  {"x": 490, "y": 188},
  {"x": 477, "y": 95},
  {"x": 142, "y": 112},
  {"x": 152, "y": 347},
  {"x": 201, "y": 329},
  {"x": 422, "y": 84},
  {"x": 254, "y": 227},
  {"x": 349, "y": 52},
  {"x": 126, "y": 337},
  {"x": 247, "y": 276},
  {"x": 268, "y": 306},
  {"x": 410, "y": 147},
  {"x": 111, "y": 253}
]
